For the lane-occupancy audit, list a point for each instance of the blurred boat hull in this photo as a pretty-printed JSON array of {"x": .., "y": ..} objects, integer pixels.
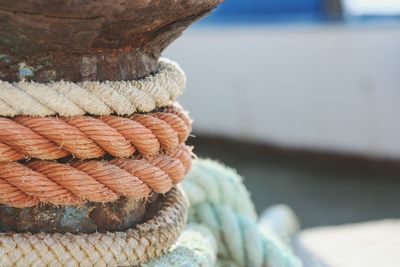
[{"x": 315, "y": 87}]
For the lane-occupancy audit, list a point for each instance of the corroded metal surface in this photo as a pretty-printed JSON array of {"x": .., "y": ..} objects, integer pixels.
[
  {"x": 77, "y": 40},
  {"x": 91, "y": 217}
]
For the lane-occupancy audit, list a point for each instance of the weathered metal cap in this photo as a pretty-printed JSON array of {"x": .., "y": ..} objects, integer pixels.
[{"x": 44, "y": 40}]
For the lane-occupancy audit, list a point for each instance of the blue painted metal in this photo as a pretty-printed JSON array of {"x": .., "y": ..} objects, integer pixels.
[{"x": 248, "y": 11}]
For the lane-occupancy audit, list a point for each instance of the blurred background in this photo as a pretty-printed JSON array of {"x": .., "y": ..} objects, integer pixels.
[{"x": 302, "y": 97}]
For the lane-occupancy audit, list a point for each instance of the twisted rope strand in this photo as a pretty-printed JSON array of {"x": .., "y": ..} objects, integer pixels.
[
  {"x": 176, "y": 109},
  {"x": 166, "y": 135},
  {"x": 25, "y": 185},
  {"x": 196, "y": 247},
  {"x": 70, "y": 99},
  {"x": 227, "y": 228},
  {"x": 241, "y": 241},
  {"x": 210, "y": 181},
  {"x": 211, "y": 188},
  {"x": 130, "y": 248},
  {"x": 86, "y": 137},
  {"x": 9, "y": 154}
]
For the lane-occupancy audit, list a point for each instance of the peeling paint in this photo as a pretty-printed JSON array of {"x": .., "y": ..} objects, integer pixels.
[
  {"x": 88, "y": 66},
  {"x": 5, "y": 58},
  {"x": 25, "y": 71},
  {"x": 76, "y": 218}
]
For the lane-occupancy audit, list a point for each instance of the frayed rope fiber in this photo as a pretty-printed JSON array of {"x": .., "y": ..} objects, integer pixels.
[
  {"x": 220, "y": 203},
  {"x": 95, "y": 98},
  {"x": 34, "y": 182},
  {"x": 87, "y": 137},
  {"x": 145, "y": 241}
]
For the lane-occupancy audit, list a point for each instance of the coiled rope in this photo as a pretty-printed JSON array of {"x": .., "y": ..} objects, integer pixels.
[
  {"x": 211, "y": 182},
  {"x": 145, "y": 241},
  {"x": 229, "y": 235},
  {"x": 87, "y": 137},
  {"x": 95, "y": 98},
  {"x": 27, "y": 184},
  {"x": 240, "y": 241},
  {"x": 227, "y": 229},
  {"x": 211, "y": 189}
]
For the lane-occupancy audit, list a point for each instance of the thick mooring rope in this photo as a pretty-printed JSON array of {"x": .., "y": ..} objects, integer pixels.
[
  {"x": 145, "y": 241},
  {"x": 211, "y": 189},
  {"x": 95, "y": 98},
  {"x": 226, "y": 235},
  {"x": 211, "y": 182},
  {"x": 240, "y": 241},
  {"x": 27, "y": 184},
  {"x": 196, "y": 246},
  {"x": 87, "y": 137}
]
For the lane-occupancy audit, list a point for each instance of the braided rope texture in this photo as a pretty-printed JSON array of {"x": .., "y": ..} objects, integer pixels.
[
  {"x": 27, "y": 184},
  {"x": 222, "y": 204},
  {"x": 87, "y": 137},
  {"x": 133, "y": 247},
  {"x": 196, "y": 246},
  {"x": 95, "y": 98}
]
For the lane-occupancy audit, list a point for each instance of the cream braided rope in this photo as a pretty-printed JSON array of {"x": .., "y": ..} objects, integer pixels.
[
  {"x": 95, "y": 98},
  {"x": 135, "y": 246}
]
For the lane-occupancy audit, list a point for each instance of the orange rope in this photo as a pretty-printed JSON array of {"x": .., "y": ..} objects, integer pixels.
[
  {"x": 26, "y": 185},
  {"x": 87, "y": 137}
]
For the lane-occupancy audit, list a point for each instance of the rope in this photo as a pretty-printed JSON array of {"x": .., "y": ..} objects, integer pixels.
[
  {"x": 87, "y": 137},
  {"x": 228, "y": 212},
  {"x": 241, "y": 241},
  {"x": 135, "y": 246},
  {"x": 196, "y": 246},
  {"x": 210, "y": 181},
  {"x": 281, "y": 220},
  {"x": 96, "y": 98},
  {"x": 226, "y": 229},
  {"x": 227, "y": 225},
  {"x": 26, "y": 185},
  {"x": 229, "y": 235}
]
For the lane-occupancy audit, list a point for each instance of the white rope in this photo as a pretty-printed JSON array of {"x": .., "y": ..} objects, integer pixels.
[
  {"x": 96, "y": 98},
  {"x": 133, "y": 247}
]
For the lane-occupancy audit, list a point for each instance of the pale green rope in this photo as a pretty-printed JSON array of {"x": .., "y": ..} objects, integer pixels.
[
  {"x": 195, "y": 247},
  {"x": 280, "y": 220},
  {"x": 210, "y": 181},
  {"x": 220, "y": 202}
]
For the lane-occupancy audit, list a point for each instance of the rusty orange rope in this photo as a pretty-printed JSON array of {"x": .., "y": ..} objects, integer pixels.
[
  {"x": 87, "y": 137},
  {"x": 26, "y": 185}
]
